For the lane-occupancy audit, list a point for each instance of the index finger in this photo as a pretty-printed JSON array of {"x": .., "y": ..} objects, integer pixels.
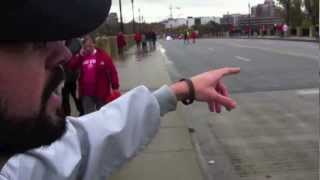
[{"x": 228, "y": 71}]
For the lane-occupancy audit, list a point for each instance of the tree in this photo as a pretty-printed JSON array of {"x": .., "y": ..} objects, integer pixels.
[
  {"x": 295, "y": 16},
  {"x": 286, "y": 5},
  {"x": 312, "y": 8}
]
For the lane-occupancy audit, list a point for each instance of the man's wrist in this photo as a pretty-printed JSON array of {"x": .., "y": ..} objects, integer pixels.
[{"x": 180, "y": 90}]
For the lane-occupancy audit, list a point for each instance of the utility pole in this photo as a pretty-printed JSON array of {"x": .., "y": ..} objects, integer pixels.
[
  {"x": 139, "y": 11},
  {"x": 249, "y": 21},
  {"x": 315, "y": 13},
  {"x": 133, "y": 22},
  {"x": 121, "y": 19},
  {"x": 142, "y": 21},
  {"x": 171, "y": 13}
]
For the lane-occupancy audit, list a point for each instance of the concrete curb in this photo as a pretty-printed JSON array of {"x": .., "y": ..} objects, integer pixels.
[
  {"x": 181, "y": 110},
  {"x": 279, "y": 39},
  {"x": 171, "y": 154}
]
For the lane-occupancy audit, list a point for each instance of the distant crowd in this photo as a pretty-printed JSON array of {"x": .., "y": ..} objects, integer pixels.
[
  {"x": 145, "y": 42},
  {"x": 187, "y": 36}
]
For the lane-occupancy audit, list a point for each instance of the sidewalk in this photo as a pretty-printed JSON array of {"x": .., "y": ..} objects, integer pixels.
[{"x": 171, "y": 155}]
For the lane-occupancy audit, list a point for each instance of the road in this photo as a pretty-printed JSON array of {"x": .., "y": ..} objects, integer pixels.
[{"x": 273, "y": 134}]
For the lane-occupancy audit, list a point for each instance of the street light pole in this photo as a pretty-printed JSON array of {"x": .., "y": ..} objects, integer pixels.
[
  {"x": 133, "y": 21},
  {"x": 315, "y": 13},
  {"x": 142, "y": 22},
  {"x": 249, "y": 24},
  {"x": 121, "y": 19},
  {"x": 139, "y": 11},
  {"x": 171, "y": 13}
]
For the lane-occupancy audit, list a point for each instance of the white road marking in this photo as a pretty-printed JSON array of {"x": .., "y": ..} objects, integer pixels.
[
  {"x": 162, "y": 50},
  {"x": 211, "y": 49},
  {"x": 168, "y": 62},
  {"x": 243, "y": 59},
  {"x": 308, "y": 92}
]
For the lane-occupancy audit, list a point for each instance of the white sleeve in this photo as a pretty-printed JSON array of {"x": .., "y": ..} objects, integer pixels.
[
  {"x": 116, "y": 132},
  {"x": 96, "y": 144}
]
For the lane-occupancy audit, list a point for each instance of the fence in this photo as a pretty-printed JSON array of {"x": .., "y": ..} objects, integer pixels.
[
  {"x": 109, "y": 44},
  {"x": 311, "y": 32}
]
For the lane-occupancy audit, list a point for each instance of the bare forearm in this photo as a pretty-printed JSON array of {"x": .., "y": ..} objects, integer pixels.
[
  {"x": 206, "y": 87},
  {"x": 180, "y": 90}
]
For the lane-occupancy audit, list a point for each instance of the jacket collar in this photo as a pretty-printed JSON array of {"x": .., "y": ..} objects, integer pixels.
[
  {"x": 3, "y": 161},
  {"x": 4, "y": 157}
]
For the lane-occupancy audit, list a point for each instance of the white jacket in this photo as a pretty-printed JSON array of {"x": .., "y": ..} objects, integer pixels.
[{"x": 96, "y": 144}]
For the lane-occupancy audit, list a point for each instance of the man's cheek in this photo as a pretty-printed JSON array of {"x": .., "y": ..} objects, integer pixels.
[
  {"x": 25, "y": 102},
  {"x": 23, "y": 93}
]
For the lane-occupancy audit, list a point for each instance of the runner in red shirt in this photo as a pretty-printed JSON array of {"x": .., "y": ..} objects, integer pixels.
[
  {"x": 194, "y": 36},
  {"x": 138, "y": 39},
  {"x": 121, "y": 42}
]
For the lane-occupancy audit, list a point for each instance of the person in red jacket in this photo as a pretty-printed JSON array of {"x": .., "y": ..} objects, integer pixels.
[
  {"x": 121, "y": 42},
  {"x": 98, "y": 75},
  {"x": 194, "y": 36},
  {"x": 138, "y": 39}
]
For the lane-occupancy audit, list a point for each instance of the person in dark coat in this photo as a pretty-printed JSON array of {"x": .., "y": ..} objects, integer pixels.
[
  {"x": 154, "y": 39},
  {"x": 70, "y": 86}
]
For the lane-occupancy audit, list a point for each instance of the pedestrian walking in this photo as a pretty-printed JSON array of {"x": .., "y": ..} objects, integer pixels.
[
  {"x": 149, "y": 40},
  {"x": 144, "y": 44},
  {"x": 138, "y": 40},
  {"x": 98, "y": 76},
  {"x": 37, "y": 141},
  {"x": 121, "y": 42},
  {"x": 194, "y": 36},
  {"x": 70, "y": 85},
  {"x": 154, "y": 40},
  {"x": 186, "y": 38}
]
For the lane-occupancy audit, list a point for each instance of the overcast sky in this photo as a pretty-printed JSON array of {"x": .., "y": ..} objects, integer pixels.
[{"x": 156, "y": 10}]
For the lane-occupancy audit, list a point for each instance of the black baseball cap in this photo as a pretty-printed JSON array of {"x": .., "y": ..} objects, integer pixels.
[{"x": 50, "y": 20}]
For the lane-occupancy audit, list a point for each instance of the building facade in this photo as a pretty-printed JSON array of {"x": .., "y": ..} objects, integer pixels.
[
  {"x": 189, "y": 21},
  {"x": 264, "y": 17},
  {"x": 206, "y": 20},
  {"x": 231, "y": 19},
  {"x": 175, "y": 23},
  {"x": 267, "y": 9},
  {"x": 112, "y": 19}
]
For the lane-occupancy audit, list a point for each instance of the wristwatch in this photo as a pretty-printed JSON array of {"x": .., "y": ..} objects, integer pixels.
[{"x": 191, "y": 95}]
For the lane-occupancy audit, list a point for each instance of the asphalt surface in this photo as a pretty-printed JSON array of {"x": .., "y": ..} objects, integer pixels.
[{"x": 274, "y": 132}]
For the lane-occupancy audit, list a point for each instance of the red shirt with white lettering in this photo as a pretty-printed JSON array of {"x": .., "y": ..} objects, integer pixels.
[
  {"x": 88, "y": 74},
  {"x": 98, "y": 74}
]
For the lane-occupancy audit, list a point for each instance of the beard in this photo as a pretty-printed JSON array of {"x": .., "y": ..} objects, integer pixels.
[{"x": 20, "y": 134}]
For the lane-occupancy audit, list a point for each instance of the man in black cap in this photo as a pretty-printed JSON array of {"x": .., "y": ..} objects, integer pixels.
[{"x": 37, "y": 141}]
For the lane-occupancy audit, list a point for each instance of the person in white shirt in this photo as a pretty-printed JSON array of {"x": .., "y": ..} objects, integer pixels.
[{"x": 37, "y": 141}]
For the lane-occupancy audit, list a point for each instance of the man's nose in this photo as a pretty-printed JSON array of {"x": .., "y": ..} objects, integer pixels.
[
  {"x": 58, "y": 53},
  {"x": 67, "y": 54}
]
